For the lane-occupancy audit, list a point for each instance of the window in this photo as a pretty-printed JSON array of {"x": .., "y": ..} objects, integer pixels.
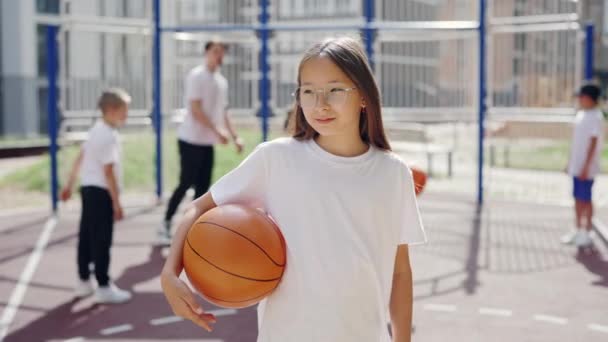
[
  {"x": 47, "y": 6},
  {"x": 520, "y": 41},
  {"x": 41, "y": 49}
]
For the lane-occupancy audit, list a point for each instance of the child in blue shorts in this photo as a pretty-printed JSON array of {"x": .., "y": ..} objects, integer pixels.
[{"x": 584, "y": 162}]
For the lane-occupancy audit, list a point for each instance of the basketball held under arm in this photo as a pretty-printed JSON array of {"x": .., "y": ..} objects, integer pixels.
[
  {"x": 180, "y": 297},
  {"x": 199, "y": 206},
  {"x": 401, "y": 301}
]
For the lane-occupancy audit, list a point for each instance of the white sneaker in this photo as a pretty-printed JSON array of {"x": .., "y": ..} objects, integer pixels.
[
  {"x": 163, "y": 237},
  {"x": 568, "y": 239},
  {"x": 582, "y": 238},
  {"x": 163, "y": 234},
  {"x": 83, "y": 289},
  {"x": 111, "y": 294}
]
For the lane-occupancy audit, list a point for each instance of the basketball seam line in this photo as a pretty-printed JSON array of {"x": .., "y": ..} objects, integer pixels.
[
  {"x": 242, "y": 301},
  {"x": 246, "y": 238},
  {"x": 228, "y": 272},
  {"x": 281, "y": 237}
]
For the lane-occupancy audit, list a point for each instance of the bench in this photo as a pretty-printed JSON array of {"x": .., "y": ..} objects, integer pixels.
[
  {"x": 504, "y": 133},
  {"x": 414, "y": 137}
]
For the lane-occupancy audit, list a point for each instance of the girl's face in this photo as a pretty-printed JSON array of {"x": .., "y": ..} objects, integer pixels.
[{"x": 329, "y": 99}]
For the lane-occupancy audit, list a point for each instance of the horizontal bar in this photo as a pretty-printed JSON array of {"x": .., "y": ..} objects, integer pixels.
[
  {"x": 530, "y": 113},
  {"x": 426, "y": 25},
  {"x": 535, "y": 19},
  {"x": 545, "y": 27},
  {"x": 422, "y": 25}
]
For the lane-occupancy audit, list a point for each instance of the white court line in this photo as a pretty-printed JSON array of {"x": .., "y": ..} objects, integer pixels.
[
  {"x": 175, "y": 319},
  {"x": 116, "y": 329},
  {"x": 26, "y": 275},
  {"x": 75, "y": 339},
  {"x": 165, "y": 320},
  {"x": 440, "y": 307},
  {"x": 598, "y": 327},
  {"x": 495, "y": 312},
  {"x": 551, "y": 319},
  {"x": 223, "y": 312}
]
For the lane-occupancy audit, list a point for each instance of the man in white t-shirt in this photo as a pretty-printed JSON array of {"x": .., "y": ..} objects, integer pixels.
[
  {"x": 206, "y": 123},
  {"x": 584, "y": 162},
  {"x": 100, "y": 182}
]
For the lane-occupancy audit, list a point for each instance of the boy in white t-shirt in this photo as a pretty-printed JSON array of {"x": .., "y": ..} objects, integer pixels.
[
  {"x": 584, "y": 162},
  {"x": 100, "y": 178}
]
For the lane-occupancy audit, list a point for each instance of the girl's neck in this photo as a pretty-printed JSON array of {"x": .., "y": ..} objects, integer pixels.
[{"x": 342, "y": 146}]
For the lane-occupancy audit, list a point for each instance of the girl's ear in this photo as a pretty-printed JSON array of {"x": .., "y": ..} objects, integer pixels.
[{"x": 363, "y": 104}]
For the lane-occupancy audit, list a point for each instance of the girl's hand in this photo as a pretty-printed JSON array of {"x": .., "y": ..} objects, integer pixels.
[{"x": 183, "y": 301}]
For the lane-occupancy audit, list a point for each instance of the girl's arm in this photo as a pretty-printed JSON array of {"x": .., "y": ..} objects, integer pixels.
[
  {"x": 401, "y": 297},
  {"x": 180, "y": 297}
]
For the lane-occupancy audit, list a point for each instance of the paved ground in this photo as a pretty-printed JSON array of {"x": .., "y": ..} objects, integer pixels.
[{"x": 497, "y": 275}]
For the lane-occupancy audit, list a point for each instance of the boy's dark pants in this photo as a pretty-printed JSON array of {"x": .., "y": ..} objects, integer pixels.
[{"x": 95, "y": 237}]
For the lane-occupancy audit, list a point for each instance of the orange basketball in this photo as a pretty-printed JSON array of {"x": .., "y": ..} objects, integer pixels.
[
  {"x": 419, "y": 179},
  {"x": 234, "y": 256}
]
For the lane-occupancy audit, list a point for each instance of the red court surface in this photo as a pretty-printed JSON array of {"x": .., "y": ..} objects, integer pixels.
[{"x": 498, "y": 275}]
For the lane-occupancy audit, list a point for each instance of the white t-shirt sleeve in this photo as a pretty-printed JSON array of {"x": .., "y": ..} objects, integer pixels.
[
  {"x": 245, "y": 184},
  {"x": 108, "y": 151},
  {"x": 595, "y": 127},
  {"x": 411, "y": 229},
  {"x": 194, "y": 87}
]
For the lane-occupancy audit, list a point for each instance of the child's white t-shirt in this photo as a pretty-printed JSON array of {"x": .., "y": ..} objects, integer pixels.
[
  {"x": 101, "y": 148},
  {"x": 587, "y": 124},
  {"x": 212, "y": 89},
  {"x": 342, "y": 219}
]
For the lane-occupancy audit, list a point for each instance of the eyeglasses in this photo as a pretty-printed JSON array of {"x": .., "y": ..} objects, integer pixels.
[{"x": 335, "y": 96}]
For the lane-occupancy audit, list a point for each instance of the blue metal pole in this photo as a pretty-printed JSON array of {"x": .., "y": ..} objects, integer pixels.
[
  {"x": 51, "y": 67},
  {"x": 482, "y": 97},
  {"x": 264, "y": 68},
  {"x": 589, "y": 51},
  {"x": 368, "y": 31},
  {"x": 157, "y": 98}
]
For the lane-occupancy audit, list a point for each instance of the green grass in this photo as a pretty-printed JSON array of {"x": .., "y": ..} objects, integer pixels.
[
  {"x": 552, "y": 157},
  {"x": 138, "y": 163},
  {"x": 9, "y": 141}
]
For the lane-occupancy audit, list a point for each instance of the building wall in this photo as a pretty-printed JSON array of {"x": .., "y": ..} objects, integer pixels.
[{"x": 19, "y": 112}]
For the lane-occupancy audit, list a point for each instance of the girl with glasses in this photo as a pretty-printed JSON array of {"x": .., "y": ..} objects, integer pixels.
[{"x": 345, "y": 205}]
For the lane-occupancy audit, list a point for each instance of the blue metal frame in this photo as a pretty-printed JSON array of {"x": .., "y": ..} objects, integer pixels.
[
  {"x": 368, "y": 31},
  {"x": 264, "y": 68},
  {"x": 157, "y": 96},
  {"x": 589, "y": 51},
  {"x": 51, "y": 66},
  {"x": 264, "y": 28},
  {"x": 482, "y": 98}
]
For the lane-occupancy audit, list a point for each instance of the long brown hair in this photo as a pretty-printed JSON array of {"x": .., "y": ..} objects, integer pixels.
[{"x": 348, "y": 55}]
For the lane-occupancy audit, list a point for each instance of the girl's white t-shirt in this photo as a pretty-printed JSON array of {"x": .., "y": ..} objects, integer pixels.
[{"x": 342, "y": 219}]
